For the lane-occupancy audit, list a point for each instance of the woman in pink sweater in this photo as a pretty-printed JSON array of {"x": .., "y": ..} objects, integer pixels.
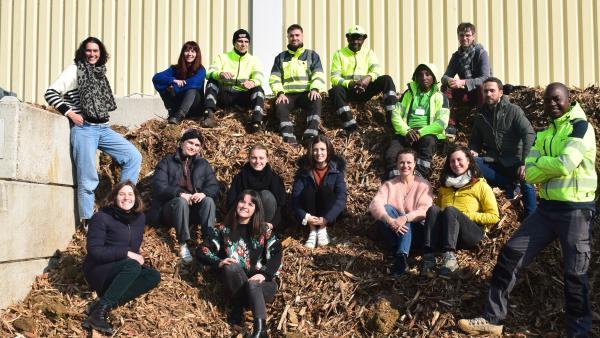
[{"x": 400, "y": 207}]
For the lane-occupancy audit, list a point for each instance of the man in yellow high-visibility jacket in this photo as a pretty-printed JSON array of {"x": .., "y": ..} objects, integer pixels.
[
  {"x": 235, "y": 78},
  {"x": 356, "y": 76},
  {"x": 562, "y": 162}
]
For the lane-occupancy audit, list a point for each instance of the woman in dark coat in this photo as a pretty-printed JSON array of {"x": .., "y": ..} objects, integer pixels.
[
  {"x": 181, "y": 86},
  {"x": 113, "y": 266},
  {"x": 249, "y": 257},
  {"x": 258, "y": 175},
  {"x": 319, "y": 192}
]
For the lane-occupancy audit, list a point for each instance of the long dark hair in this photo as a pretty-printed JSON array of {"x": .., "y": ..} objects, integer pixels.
[
  {"x": 257, "y": 220},
  {"x": 111, "y": 199},
  {"x": 80, "y": 52},
  {"x": 473, "y": 167},
  {"x": 182, "y": 69},
  {"x": 330, "y": 151}
]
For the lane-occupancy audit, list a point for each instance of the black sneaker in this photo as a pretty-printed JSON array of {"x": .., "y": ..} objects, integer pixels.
[{"x": 400, "y": 266}]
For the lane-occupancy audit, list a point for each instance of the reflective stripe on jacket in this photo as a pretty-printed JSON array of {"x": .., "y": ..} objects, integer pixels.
[
  {"x": 562, "y": 160},
  {"x": 296, "y": 72},
  {"x": 246, "y": 67},
  {"x": 347, "y": 66}
]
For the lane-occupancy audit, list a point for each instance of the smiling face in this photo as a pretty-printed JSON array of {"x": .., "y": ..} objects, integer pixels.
[
  {"x": 92, "y": 53},
  {"x": 466, "y": 38},
  {"x": 190, "y": 147},
  {"x": 295, "y": 38},
  {"x": 406, "y": 164},
  {"x": 459, "y": 162},
  {"x": 556, "y": 101},
  {"x": 245, "y": 209},
  {"x": 258, "y": 159},
  {"x": 189, "y": 55},
  {"x": 355, "y": 42},
  {"x": 319, "y": 154},
  {"x": 241, "y": 45},
  {"x": 126, "y": 198}
]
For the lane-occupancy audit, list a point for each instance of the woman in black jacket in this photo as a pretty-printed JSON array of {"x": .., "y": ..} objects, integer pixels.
[
  {"x": 249, "y": 257},
  {"x": 113, "y": 266},
  {"x": 258, "y": 175}
]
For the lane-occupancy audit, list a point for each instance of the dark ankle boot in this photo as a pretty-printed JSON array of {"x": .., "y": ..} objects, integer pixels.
[
  {"x": 260, "y": 328},
  {"x": 98, "y": 319},
  {"x": 236, "y": 315},
  {"x": 209, "y": 120}
]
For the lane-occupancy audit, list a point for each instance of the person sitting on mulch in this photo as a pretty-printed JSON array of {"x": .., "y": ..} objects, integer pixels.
[
  {"x": 113, "y": 266},
  {"x": 184, "y": 189},
  {"x": 258, "y": 175},
  {"x": 319, "y": 189},
  {"x": 466, "y": 208},
  {"x": 400, "y": 206},
  {"x": 181, "y": 86},
  {"x": 419, "y": 120},
  {"x": 249, "y": 257}
]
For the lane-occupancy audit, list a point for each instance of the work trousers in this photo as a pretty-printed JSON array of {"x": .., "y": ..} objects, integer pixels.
[{"x": 313, "y": 116}]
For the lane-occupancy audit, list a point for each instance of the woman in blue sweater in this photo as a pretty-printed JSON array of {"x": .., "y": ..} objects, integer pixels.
[{"x": 181, "y": 86}]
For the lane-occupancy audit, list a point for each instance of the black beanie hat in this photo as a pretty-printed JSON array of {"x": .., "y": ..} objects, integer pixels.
[
  {"x": 189, "y": 134},
  {"x": 240, "y": 33}
]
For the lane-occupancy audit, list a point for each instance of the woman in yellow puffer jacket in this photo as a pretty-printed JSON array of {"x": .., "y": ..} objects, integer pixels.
[{"x": 465, "y": 209}]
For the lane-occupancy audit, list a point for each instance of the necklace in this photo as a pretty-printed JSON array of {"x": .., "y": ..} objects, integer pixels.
[{"x": 408, "y": 189}]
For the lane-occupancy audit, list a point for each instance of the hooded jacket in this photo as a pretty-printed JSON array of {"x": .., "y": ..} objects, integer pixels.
[
  {"x": 439, "y": 114},
  {"x": 334, "y": 179},
  {"x": 504, "y": 134}
]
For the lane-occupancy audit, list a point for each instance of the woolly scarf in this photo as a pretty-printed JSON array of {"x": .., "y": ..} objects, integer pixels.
[
  {"x": 458, "y": 182},
  {"x": 466, "y": 59},
  {"x": 94, "y": 92},
  {"x": 256, "y": 180},
  {"x": 122, "y": 216}
]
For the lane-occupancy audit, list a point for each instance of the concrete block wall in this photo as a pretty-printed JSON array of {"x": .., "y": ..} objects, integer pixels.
[
  {"x": 37, "y": 195},
  {"x": 135, "y": 109}
]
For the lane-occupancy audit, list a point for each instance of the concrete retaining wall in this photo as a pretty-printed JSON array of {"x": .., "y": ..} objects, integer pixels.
[{"x": 135, "y": 109}]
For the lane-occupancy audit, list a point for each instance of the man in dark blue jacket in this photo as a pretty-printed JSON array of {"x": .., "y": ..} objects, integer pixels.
[{"x": 184, "y": 190}]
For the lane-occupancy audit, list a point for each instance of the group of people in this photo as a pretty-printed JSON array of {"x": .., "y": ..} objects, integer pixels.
[{"x": 502, "y": 151}]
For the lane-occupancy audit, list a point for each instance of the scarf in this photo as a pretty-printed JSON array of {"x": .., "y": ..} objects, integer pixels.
[
  {"x": 466, "y": 59},
  {"x": 94, "y": 93},
  {"x": 458, "y": 182},
  {"x": 256, "y": 180},
  {"x": 123, "y": 216}
]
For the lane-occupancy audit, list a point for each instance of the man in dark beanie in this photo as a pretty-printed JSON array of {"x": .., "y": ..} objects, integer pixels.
[
  {"x": 235, "y": 78},
  {"x": 184, "y": 189}
]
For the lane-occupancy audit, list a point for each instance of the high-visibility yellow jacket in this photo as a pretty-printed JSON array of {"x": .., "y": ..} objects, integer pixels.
[
  {"x": 476, "y": 200},
  {"x": 439, "y": 114},
  {"x": 347, "y": 66},
  {"x": 246, "y": 67},
  {"x": 297, "y": 71},
  {"x": 562, "y": 160}
]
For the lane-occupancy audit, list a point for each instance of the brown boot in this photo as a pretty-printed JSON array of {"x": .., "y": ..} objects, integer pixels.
[{"x": 209, "y": 120}]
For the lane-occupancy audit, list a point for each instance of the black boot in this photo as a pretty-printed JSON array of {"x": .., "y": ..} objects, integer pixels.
[
  {"x": 98, "y": 319},
  {"x": 236, "y": 316},
  {"x": 260, "y": 328},
  {"x": 400, "y": 266},
  {"x": 176, "y": 118}
]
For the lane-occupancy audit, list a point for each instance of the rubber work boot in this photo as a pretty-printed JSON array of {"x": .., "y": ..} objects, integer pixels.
[
  {"x": 400, "y": 266},
  {"x": 449, "y": 263},
  {"x": 259, "y": 330},
  {"x": 209, "y": 119},
  {"x": 98, "y": 319},
  {"x": 477, "y": 326},
  {"x": 428, "y": 265}
]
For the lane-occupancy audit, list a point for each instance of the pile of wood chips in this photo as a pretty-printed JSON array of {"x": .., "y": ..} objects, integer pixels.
[{"x": 340, "y": 290}]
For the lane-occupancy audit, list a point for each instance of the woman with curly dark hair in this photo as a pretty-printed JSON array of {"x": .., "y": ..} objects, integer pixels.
[
  {"x": 249, "y": 257},
  {"x": 181, "y": 86}
]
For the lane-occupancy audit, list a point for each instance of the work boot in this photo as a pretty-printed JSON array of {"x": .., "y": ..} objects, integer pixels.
[
  {"x": 428, "y": 264},
  {"x": 449, "y": 263},
  {"x": 209, "y": 119},
  {"x": 254, "y": 127},
  {"x": 400, "y": 266},
  {"x": 175, "y": 119},
  {"x": 259, "y": 330},
  {"x": 98, "y": 319},
  {"x": 477, "y": 326}
]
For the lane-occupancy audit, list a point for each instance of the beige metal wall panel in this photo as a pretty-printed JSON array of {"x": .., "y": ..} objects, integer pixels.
[{"x": 531, "y": 42}]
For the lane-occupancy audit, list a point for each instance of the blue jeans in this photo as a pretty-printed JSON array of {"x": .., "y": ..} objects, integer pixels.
[
  {"x": 502, "y": 179},
  {"x": 85, "y": 140},
  {"x": 400, "y": 243}
]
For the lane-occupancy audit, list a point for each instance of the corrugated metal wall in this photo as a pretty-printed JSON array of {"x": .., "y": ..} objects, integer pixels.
[{"x": 531, "y": 42}]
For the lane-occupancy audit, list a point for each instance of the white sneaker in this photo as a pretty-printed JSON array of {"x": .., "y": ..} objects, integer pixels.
[
  {"x": 322, "y": 237},
  {"x": 185, "y": 254},
  {"x": 311, "y": 242}
]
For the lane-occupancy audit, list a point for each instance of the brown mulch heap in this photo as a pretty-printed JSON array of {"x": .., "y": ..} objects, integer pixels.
[{"x": 341, "y": 290}]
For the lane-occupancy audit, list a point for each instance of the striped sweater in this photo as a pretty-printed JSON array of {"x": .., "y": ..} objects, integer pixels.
[{"x": 63, "y": 94}]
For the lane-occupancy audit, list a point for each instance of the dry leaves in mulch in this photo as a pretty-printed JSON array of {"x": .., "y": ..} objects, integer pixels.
[{"x": 340, "y": 290}]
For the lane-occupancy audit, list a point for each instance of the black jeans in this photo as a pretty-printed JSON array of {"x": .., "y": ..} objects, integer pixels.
[
  {"x": 226, "y": 97},
  {"x": 317, "y": 201},
  {"x": 450, "y": 230},
  {"x": 425, "y": 148},
  {"x": 313, "y": 115},
  {"x": 183, "y": 104},
  {"x": 248, "y": 293},
  {"x": 128, "y": 280}
]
